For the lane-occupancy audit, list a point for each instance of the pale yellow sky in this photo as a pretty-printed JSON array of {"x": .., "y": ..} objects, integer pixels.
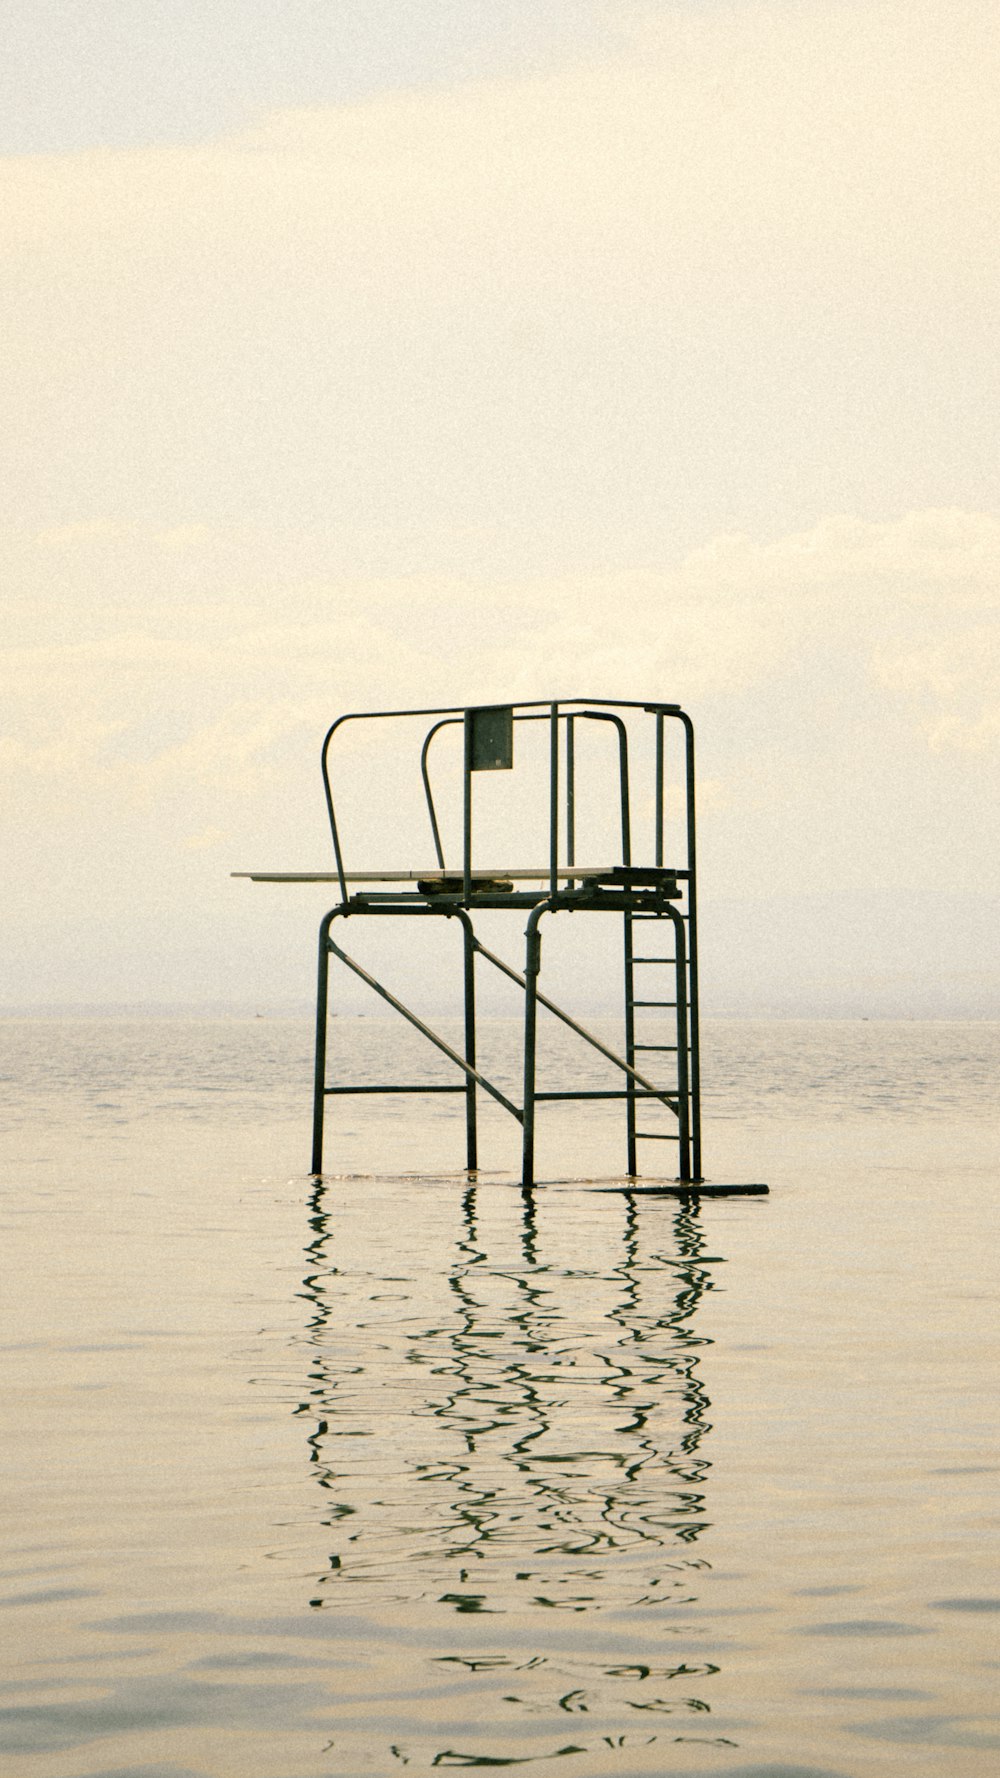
[{"x": 656, "y": 358}]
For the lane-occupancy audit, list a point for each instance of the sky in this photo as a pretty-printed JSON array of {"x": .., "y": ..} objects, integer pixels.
[{"x": 386, "y": 353}]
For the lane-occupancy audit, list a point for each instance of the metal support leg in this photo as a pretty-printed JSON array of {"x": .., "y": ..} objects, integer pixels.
[
  {"x": 532, "y": 964},
  {"x": 319, "y": 1078},
  {"x": 683, "y": 1080},
  {"x": 631, "y": 1166},
  {"x": 469, "y": 945},
  {"x": 693, "y": 1024}
]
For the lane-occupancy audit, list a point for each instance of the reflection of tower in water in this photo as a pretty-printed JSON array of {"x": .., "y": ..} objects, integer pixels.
[{"x": 507, "y": 1432}]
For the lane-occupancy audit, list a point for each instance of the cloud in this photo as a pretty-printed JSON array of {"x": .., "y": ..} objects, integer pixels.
[
  {"x": 213, "y": 695},
  {"x": 670, "y": 371},
  {"x": 954, "y": 682},
  {"x": 749, "y": 127},
  {"x": 747, "y": 258}
]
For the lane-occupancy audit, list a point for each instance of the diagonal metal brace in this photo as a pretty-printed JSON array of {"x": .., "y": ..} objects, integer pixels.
[
  {"x": 581, "y": 1030},
  {"x": 426, "y": 1031}
]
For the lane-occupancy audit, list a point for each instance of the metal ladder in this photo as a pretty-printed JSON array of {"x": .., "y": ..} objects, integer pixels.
[{"x": 673, "y": 959}]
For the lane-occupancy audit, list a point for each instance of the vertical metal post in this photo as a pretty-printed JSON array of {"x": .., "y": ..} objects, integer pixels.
[
  {"x": 319, "y": 1073},
  {"x": 570, "y": 796},
  {"x": 553, "y": 798},
  {"x": 659, "y": 790},
  {"x": 683, "y": 1078},
  {"x": 467, "y": 812},
  {"x": 532, "y": 964},
  {"x": 468, "y": 939},
  {"x": 692, "y": 947},
  {"x": 631, "y": 1164}
]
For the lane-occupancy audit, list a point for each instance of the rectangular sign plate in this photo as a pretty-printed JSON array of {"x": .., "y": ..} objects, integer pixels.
[{"x": 491, "y": 746}]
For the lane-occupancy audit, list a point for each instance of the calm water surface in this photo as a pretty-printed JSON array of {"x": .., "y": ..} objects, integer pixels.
[{"x": 401, "y": 1470}]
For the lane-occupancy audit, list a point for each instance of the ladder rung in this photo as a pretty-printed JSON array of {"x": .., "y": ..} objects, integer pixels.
[
  {"x": 654, "y": 960},
  {"x": 654, "y": 1003},
  {"x": 664, "y": 1048},
  {"x": 657, "y": 1136}
]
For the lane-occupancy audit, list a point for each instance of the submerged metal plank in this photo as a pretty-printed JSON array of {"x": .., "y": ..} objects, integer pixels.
[{"x": 678, "y": 1189}]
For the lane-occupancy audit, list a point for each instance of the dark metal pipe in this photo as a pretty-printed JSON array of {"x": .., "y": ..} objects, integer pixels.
[
  {"x": 630, "y": 1149},
  {"x": 467, "y": 809},
  {"x": 553, "y": 799},
  {"x": 692, "y": 944},
  {"x": 591, "y": 1093},
  {"x": 393, "y": 1086},
  {"x": 570, "y": 796},
  {"x": 659, "y": 790},
  {"x": 469, "y": 967},
  {"x": 683, "y": 1081},
  {"x": 532, "y": 964},
  {"x": 319, "y": 1068}
]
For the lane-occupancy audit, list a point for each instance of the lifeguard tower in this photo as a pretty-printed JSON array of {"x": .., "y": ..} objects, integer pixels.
[{"x": 613, "y": 766}]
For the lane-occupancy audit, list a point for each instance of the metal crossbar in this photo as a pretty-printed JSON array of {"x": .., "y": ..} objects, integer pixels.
[
  {"x": 425, "y": 1030},
  {"x": 394, "y": 1087}
]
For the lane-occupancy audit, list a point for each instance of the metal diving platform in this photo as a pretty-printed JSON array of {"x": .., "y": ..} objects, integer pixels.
[{"x": 617, "y": 774}]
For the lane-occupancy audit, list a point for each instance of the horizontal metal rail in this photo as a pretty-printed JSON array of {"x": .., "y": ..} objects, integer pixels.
[
  {"x": 613, "y": 1093},
  {"x": 392, "y": 1087}
]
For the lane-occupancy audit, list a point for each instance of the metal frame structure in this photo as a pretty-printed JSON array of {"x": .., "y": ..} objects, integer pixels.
[{"x": 649, "y": 895}]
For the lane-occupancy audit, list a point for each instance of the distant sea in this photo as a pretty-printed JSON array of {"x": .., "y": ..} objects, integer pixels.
[{"x": 401, "y": 1468}]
